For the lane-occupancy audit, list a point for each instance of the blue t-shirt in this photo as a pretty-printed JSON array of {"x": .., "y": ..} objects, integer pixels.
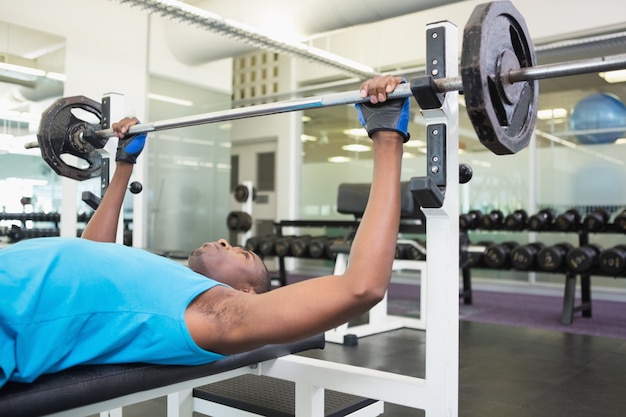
[{"x": 70, "y": 301}]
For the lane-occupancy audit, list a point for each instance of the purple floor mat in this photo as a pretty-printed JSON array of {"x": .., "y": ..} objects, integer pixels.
[{"x": 521, "y": 310}]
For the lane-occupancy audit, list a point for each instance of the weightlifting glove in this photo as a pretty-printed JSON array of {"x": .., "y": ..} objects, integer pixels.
[
  {"x": 391, "y": 115},
  {"x": 129, "y": 148}
]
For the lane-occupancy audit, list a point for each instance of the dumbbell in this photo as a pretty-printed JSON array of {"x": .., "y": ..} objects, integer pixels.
[
  {"x": 541, "y": 220},
  {"x": 470, "y": 220},
  {"x": 401, "y": 250},
  {"x": 612, "y": 261},
  {"x": 319, "y": 247},
  {"x": 238, "y": 221},
  {"x": 568, "y": 221},
  {"x": 411, "y": 250},
  {"x": 524, "y": 257},
  {"x": 516, "y": 220},
  {"x": 552, "y": 258},
  {"x": 282, "y": 245},
  {"x": 583, "y": 258},
  {"x": 499, "y": 255},
  {"x": 252, "y": 244},
  {"x": 620, "y": 222},
  {"x": 54, "y": 217},
  {"x": 475, "y": 253},
  {"x": 492, "y": 220},
  {"x": 266, "y": 245},
  {"x": 596, "y": 220},
  {"x": 15, "y": 233},
  {"x": 300, "y": 246},
  {"x": 417, "y": 251}
]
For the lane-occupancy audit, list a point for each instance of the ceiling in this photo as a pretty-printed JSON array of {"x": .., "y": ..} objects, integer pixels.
[{"x": 42, "y": 50}]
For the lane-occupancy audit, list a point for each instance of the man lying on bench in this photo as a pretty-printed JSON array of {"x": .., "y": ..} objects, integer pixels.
[{"x": 69, "y": 301}]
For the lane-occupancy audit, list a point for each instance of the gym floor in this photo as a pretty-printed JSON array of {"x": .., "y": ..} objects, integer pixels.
[{"x": 504, "y": 371}]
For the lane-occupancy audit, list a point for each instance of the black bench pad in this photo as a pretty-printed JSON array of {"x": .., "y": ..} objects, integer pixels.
[
  {"x": 267, "y": 396},
  {"x": 84, "y": 385}
]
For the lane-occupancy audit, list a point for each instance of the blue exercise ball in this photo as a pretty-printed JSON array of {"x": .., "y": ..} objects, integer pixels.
[{"x": 598, "y": 111}]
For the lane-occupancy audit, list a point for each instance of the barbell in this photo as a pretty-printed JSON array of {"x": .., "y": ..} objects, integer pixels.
[{"x": 498, "y": 77}]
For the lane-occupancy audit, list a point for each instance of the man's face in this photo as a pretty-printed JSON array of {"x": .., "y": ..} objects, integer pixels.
[{"x": 230, "y": 265}]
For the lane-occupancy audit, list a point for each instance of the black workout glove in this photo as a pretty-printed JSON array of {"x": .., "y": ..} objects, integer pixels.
[
  {"x": 392, "y": 115},
  {"x": 129, "y": 148}
]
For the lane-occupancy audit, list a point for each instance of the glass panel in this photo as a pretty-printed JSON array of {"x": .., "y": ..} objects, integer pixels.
[
  {"x": 188, "y": 172},
  {"x": 557, "y": 170},
  {"x": 27, "y": 183}
]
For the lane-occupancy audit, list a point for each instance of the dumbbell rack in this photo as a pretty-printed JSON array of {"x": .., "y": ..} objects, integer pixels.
[
  {"x": 569, "y": 296},
  {"x": 378, "y": 319},
  {"x": 406, "y": 226}
]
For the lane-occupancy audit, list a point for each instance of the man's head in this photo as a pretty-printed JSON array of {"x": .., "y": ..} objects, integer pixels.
[{"x": 231, "y": 265}]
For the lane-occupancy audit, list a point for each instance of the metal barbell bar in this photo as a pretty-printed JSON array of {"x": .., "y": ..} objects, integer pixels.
[{"x": 443, "y": 85}]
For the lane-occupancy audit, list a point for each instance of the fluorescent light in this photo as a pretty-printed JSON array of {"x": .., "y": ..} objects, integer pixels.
[
  {"x": 172, "y": 100},
  {"x": 618, "y": 76},
  {"x": 339, "y": 159},
  {"x": 356, "y": 132},
  {"x": 307, "y": 138},
  {"x": 56, "y": 76},
  {"x": 620, "y": 141},
  {"x": 547, "y": 114},
  {"x": 356, "y": 147},
  {"x": 24, "y": 70},
  {"x": 480, "y": 163},
  {"x": 415, "y": 143}
]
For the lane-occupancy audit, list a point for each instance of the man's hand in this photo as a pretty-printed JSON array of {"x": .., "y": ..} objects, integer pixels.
[
  {"x": 128, "y": 148},
  {"x": 380, "y": 114}
]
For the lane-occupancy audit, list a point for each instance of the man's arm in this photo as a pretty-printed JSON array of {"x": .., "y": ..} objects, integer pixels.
[
  {"x": 102, "y": 226},
  {"x": 243, "y": 321}
]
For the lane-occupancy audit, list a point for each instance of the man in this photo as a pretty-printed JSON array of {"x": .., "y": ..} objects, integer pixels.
[
  {"x": 75, "y": 301},
  {"x": 251, "y": 276}
]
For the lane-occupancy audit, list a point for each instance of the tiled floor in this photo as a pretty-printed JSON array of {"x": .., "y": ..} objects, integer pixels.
[
  {"x": 510, "y": 371},
  {"x": 504, "y": 371}
]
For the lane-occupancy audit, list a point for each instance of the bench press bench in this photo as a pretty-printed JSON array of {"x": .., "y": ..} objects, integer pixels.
[{"x": 92, "y": 389}]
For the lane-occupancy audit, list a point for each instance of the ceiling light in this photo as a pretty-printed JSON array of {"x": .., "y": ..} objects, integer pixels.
[
  {"x": 415, "y": 143},
  {"x": 307, "y": 138},
  {"x": 547, "y": 114},
  {"x": 306, "y": 119},
  {"x": 407, "y": 155},
  {"x": 618, "y": 76},
  {"x": 620, "y": 141},
  {"x": 56, "y": 76},
  {"x": 172, "y": 100},
  {"x": 356, "y": 132},
  {"x": 339, "y": 159},
  {"x": 485, "y": 164},
  {"x": 356, "y": 147}
]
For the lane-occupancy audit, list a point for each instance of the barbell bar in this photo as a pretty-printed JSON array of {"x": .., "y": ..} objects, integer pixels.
[
  {"x": 499, "y": 79},
  {"x": 443, "y": 85}
]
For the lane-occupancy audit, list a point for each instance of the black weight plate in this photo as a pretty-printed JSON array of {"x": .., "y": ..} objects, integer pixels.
[
  {"x": 241, "y": 193},
  {"x": 495, "y": 41},
  {"x": 59, "y": 134}
]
